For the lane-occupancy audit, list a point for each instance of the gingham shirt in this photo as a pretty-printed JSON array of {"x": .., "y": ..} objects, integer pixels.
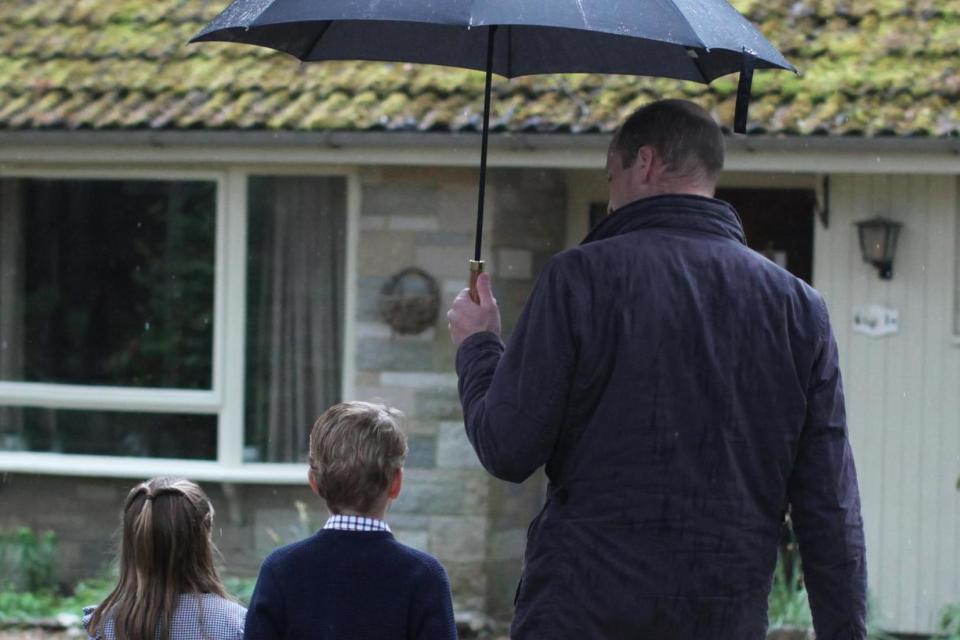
[
  {"x": 198, "y": 617},
  {"x": 356, "y": 523}
]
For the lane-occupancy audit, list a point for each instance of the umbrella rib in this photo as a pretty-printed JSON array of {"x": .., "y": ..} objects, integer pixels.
[
  {"x": 316, "y": 41},
  {"x": 696, "y": 62},
  {"x": 686, "y": 20}
]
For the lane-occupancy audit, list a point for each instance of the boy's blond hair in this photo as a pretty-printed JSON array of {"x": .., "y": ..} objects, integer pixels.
[{"x": 356, "y": 449}]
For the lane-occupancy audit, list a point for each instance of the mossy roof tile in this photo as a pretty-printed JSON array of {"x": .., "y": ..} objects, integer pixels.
[{"x": 869, "y": 67}]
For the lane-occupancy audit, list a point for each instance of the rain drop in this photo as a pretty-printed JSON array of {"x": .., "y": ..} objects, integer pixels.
[{"x": 146, "y": 326}]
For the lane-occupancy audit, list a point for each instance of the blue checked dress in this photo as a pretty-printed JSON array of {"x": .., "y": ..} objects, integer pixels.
[{"x": 198, "y": 617}]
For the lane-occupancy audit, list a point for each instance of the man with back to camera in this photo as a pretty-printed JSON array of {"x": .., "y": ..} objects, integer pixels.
[{"x": 682, "y": 392}]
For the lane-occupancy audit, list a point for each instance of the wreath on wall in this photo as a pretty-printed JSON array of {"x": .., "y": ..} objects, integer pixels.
[{"x": 410, "y": 301}]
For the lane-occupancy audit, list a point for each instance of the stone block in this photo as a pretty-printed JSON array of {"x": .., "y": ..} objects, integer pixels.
[
  {"x": 384, "y": 331},
  {"x": 368, "y": 298},
  {"x": 387, "y": 355},
  {"x": 468, "y": 582},
  {"x": 408, "y": 521},
  {"x": 476, "y": 491},
  {"x": 451, "y": 288},
  {"x": 429, "y": 498},
  {"x": 454, "y": 449},
  {"x": 501, "y": 586},
  {"x": 439, "y": 403},
  {"x": 280, "y": 525},
  {"x": 366, "y": 379},
  {"x": 414, "y": 223},
  {"x": 418, "y": 379},
  {"x": 419, "y": 540},
  {"x": 459, "y": 538},
  {"x": 401, "y": 399},
  {"x": 390, "y": 198},
  {"x": 413, "y": 424},
  {"x": 508, "y": 545},
  {"x": 444, "y": 262},
  {"x": 373, "y": 223},
  {"x": 515, "y": 264},
  {"x": 456, "y": 207},
  {"x": 461, "y": 239},
  {"x": 422, "y": 451},
  {"x": 384, "y": 253},
  {"x": 513, "y": 506}
]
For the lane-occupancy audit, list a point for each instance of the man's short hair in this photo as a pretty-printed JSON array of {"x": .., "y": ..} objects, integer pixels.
[
  {"x": 684, "y": 135},
  {"x": 356, "y": 448}
]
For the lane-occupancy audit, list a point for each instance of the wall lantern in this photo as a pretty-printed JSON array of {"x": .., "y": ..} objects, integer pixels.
[{"x": 878, "y": 243}]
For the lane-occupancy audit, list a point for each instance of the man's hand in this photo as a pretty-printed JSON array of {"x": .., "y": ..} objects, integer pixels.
[{"x": 467, "y": 317}]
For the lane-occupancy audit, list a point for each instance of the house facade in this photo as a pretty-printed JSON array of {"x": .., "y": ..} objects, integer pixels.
[{"x": 198, "y": 245}]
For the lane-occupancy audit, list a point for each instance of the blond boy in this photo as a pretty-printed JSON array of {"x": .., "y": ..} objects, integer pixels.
[{"x": 352, "y": 579}]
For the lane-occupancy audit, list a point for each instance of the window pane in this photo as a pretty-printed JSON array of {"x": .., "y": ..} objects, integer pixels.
[
  {"x": 110, "y": 433},
  {"x": 297, "y": 230},
  {"x": 107, "y": 282}
]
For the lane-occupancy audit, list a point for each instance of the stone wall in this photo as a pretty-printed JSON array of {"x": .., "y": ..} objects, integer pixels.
[
  {"x": 425, "y": 218},
  {"x": 449, "y": 506},
  {"x": 85, "y": 515}
]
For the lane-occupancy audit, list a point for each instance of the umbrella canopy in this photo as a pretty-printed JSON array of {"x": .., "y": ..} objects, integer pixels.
[{"x": 696, "y": 40}]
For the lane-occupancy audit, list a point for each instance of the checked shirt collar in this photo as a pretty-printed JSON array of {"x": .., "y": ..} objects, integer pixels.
[{"x": 356, "y": 523}]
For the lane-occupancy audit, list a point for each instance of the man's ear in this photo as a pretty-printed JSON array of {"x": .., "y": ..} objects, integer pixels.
[
  {"x": 395, "y": 485},
  {"x": 645, "y": 164},
  {"x": 312, "y": 481}
]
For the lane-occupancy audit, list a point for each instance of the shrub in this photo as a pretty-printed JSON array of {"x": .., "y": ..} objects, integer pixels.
[
  {"x": 28, "y": 562},
  {"x": 950, "y": 622}
]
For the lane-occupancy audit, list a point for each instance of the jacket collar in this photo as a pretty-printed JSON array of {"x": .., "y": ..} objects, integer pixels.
[{"x": 674, "y": 211}]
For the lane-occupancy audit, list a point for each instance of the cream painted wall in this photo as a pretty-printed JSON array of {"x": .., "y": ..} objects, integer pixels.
[{"x": 903, "y": 391}]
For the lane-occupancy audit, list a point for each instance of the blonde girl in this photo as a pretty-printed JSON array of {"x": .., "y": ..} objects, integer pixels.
[{"x": 168, "y": 588}]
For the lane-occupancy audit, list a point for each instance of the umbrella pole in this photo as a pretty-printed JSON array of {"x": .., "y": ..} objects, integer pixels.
[{"x": 476, "y": 265}]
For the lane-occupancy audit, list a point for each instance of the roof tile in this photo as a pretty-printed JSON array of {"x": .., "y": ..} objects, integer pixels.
[{"x": 869, "y": 67}]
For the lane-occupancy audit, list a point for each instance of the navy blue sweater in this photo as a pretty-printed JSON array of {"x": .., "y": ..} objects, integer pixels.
[{"x": 350, "y": 584}]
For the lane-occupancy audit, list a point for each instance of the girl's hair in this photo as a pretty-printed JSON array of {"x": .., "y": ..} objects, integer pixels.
[{"x": 165, "y": 550}]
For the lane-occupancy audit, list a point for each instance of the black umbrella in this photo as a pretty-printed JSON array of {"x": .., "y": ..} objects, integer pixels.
[{"x": 697, "y": 40}]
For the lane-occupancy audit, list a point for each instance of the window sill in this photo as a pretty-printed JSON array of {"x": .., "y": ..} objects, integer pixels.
[{"x": 138, "y": 468}]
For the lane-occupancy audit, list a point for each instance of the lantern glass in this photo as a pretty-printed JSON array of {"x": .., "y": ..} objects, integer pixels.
[
  {"x": 878, "y": 240},
  {"x": 878, "y": 243}
]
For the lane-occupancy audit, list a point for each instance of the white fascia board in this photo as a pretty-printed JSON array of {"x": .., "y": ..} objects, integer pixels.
[
  {"x": 560, "y": 151},
  {"x": 59, "y": 464}
]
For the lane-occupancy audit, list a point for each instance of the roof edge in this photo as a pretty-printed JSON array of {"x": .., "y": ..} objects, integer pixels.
[{"x": 403, "y": 139}]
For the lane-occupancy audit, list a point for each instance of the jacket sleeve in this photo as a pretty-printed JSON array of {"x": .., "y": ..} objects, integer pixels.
[
  {"x": 433, "y": 607},
  {"x": 514, "y": 397},
  {"x": 265, "y": 614},
  {"x": 825, "y": 505}
]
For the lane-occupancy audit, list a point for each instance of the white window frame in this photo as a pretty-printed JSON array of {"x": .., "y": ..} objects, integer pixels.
[{"x": 225, "y": 398}]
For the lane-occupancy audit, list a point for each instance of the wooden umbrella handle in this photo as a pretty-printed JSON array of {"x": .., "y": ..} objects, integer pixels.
[{"x": 476, "y": 268}]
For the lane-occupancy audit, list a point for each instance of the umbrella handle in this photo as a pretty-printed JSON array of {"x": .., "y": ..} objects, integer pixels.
[{"x": 476, "y": 268}]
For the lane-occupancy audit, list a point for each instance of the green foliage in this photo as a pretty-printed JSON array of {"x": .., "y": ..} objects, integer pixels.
[
  {"x": 787, "y": 604},
  {"x": 789, "y": 607},
  {"x": 22, "y": 606},
  {"x": 950, "y": 622},
  {"x": 28, "y": 561},
  {"x": 25, "y": 605},
  {"x": 240, "y": 588}
]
